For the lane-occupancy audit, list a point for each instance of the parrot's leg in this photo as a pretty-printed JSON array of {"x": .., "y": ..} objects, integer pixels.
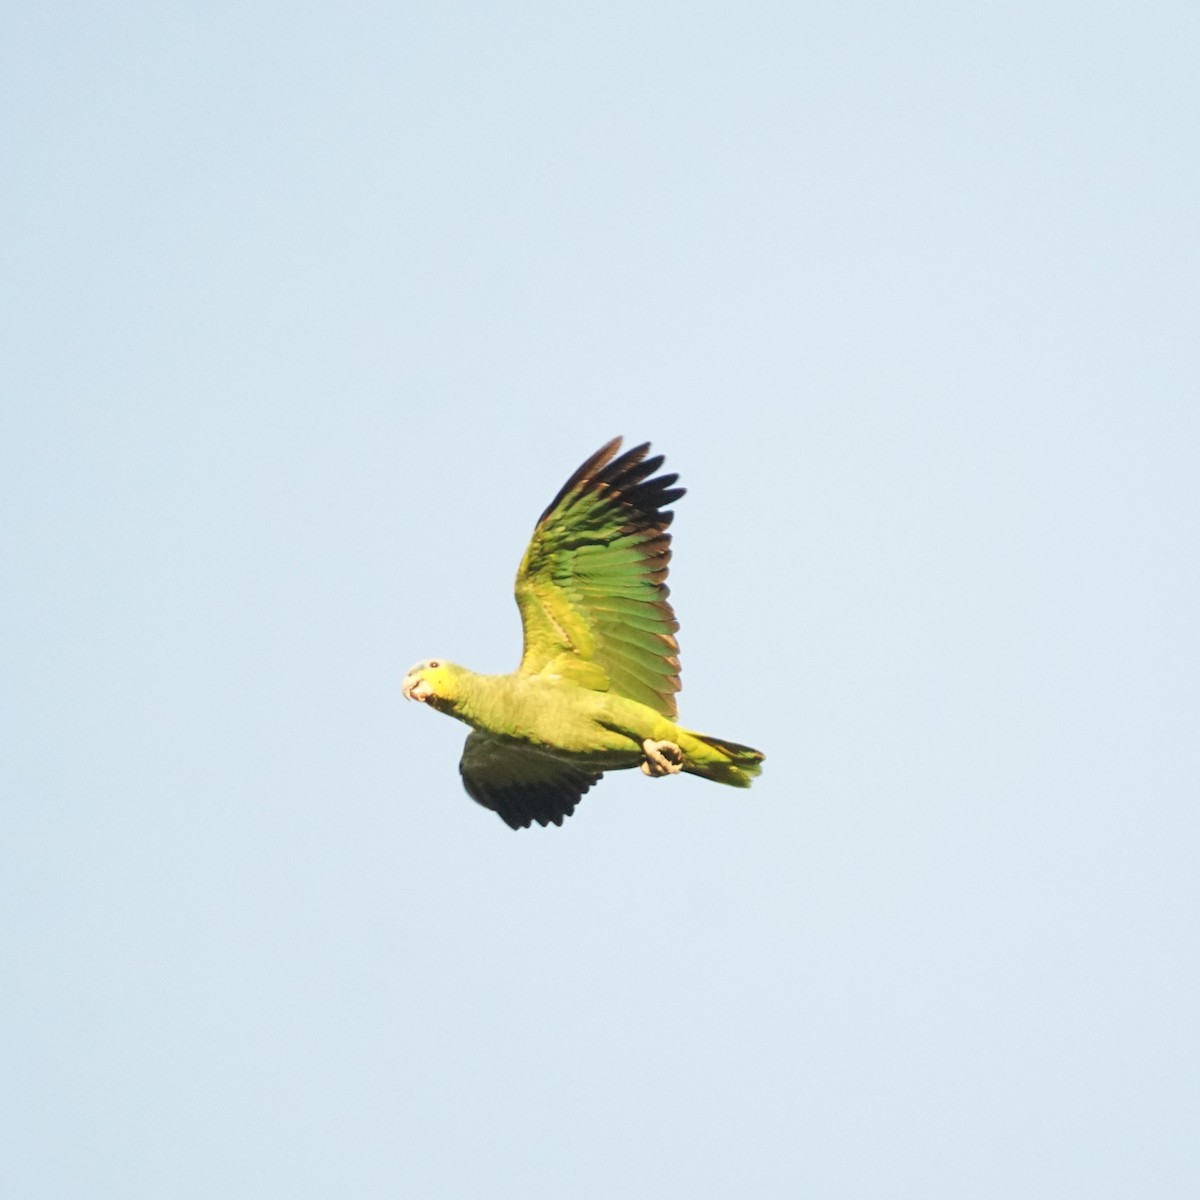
[{"x": 662, "y": 758}]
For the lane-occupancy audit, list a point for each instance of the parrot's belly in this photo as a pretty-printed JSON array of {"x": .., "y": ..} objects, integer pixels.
[{"x": 562, "y": 718}]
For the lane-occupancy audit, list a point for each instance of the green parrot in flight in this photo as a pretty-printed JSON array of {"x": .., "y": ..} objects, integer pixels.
[{"x": 596, "y": 687}]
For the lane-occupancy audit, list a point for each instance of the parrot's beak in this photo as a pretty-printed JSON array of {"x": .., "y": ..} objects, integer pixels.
[{"x": 415, "y": 689}]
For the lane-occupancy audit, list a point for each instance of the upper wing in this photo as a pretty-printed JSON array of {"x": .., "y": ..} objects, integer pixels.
[
  {"x": 521, "y": 785},
  {"x": 591, "y": 587}
]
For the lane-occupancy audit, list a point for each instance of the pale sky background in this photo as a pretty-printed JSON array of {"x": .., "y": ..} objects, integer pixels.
[{"x": 307, "y": 313}]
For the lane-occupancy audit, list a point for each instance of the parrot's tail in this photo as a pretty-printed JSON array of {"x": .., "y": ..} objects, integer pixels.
[{"x": 719, "y": 760}]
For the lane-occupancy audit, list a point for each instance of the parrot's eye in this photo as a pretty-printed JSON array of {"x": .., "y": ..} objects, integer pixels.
[{"x": 433, "y": 662}]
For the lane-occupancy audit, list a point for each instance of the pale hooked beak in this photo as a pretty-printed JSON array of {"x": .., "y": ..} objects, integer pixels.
[{"x": 415, "y": 689}]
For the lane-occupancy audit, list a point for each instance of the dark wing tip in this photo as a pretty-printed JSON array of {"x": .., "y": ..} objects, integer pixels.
[
  {"x": 632, "y": 482},
  {"x": 518, "y": 807},
  {"x": 585, "y": 472},
  {"x": 516, "y": 816},
  {"x": 630, "y": 477}
]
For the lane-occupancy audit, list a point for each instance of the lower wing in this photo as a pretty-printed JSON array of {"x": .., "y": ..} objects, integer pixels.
[{"x": 519, "y": 784}]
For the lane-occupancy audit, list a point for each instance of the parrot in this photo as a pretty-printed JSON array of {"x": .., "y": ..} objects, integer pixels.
[{"x": 596, "y": 687}]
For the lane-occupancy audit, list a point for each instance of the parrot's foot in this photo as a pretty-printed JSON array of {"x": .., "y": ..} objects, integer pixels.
[{"x": 662, "y": 758}]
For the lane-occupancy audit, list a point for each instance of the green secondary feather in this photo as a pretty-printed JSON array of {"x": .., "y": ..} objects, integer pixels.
[{"x": 595, "y": 690}]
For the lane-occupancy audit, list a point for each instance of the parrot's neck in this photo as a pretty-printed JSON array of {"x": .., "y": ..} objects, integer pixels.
[{"x": 479, "y": 700}]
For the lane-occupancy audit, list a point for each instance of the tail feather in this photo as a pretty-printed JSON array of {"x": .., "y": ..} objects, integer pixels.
[{"x": 721, "y": 761}]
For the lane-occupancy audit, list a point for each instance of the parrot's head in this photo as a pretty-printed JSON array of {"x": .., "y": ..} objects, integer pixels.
[{"x": 431, "y": 681}]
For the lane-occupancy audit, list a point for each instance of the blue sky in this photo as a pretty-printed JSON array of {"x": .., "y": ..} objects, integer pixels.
[{"x": 309, "y": 311}]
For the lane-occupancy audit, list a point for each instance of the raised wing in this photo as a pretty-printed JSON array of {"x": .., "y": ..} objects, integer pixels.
[
  {"x": 592, "y": 585},
  {"x": 521, "y": 785}
]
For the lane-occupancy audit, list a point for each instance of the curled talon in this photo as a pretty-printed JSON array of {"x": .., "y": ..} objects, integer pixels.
[{"x": 662, "y": 758}]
